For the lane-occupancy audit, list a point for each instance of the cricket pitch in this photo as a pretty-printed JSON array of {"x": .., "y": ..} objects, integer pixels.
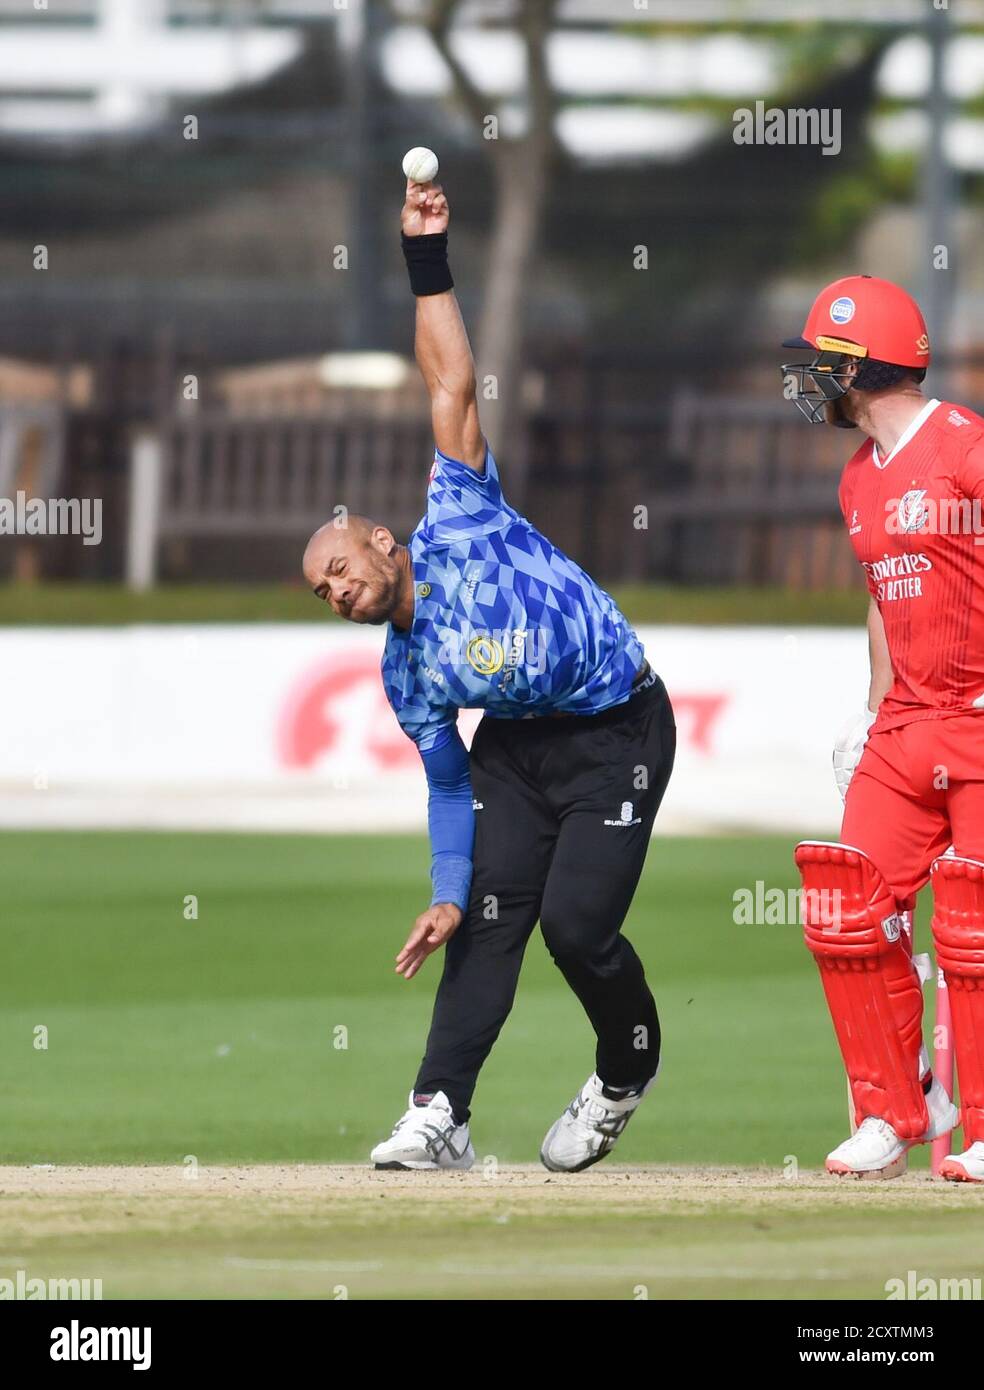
[{"x": 498, "y": 1232}]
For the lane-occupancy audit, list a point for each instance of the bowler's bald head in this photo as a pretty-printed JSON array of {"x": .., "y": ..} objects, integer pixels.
[
  {"x": 336, "y": 537},
  {"x": 351, "y": 563}
]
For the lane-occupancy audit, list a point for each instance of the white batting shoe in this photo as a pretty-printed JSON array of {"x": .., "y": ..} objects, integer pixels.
[
  {"x": 876, "y": 1151},
  {"x": 426, "y": 1137},
  {"x": 965, "y": 1167},
  {"x": 589, "y": 1127}
]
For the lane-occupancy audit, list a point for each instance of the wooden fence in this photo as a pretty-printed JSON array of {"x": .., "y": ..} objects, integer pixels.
[
  {"x": 696, "y": 489},
  {"x": 217, "y": 476}
]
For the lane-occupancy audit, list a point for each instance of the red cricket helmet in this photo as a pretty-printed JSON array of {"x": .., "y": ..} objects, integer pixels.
[
  {"x": 859, "y": 320},
  {"x": 864, "y": 312}
]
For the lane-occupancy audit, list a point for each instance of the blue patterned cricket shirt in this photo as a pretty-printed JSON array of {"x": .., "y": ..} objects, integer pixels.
[{"x": 503, "y": 620}]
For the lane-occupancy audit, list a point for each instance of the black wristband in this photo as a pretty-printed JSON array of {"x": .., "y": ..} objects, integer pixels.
[{"x": 427, "y": 262}]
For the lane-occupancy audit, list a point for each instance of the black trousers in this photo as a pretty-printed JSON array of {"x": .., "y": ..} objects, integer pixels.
[{"x": 564, "y": 811}]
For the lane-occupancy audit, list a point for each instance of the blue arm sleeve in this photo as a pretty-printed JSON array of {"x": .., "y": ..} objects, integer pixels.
[{"x": 450, "y": 820}]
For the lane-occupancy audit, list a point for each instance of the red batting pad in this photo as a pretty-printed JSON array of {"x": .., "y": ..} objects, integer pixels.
[
  {"x": 958, "y": 930},
  {"x": 853, "y": 927}
]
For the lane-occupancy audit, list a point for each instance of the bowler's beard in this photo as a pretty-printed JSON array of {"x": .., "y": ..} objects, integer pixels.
[{"x": 385, "y": 582}]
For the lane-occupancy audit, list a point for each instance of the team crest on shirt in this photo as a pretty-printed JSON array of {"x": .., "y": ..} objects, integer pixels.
[
  {"x": 913, "y": 514},
  {"x": 485, "y": 655}
]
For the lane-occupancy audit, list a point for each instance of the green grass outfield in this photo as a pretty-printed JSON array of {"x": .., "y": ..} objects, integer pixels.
[
  {"x": 215, "y": 1039},
  {"x": 217, "y": 1036},
  {"x": 95, "y": 604}
]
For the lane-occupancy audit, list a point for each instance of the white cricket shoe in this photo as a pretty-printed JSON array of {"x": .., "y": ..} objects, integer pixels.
[
  {"x": 965, "y": 1167},
  {"x": 589, "y": 1127},
  {"x": 876, "y": 1151},
  {"x": 426, "y": 1137}
]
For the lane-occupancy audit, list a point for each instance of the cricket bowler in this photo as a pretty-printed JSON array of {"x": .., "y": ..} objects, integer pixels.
[
  {"x": 549, "y": 817},
  {"x": 911, "y": 764}
]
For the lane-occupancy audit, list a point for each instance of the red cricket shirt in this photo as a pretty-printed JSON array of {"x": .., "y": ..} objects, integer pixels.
[{"x": 916, "y": 521}]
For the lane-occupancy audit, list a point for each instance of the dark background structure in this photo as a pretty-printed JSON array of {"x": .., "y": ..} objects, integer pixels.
[{"x": 613, "y": 387}]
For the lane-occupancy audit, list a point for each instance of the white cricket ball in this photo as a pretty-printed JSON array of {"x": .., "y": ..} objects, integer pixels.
[{"x": 420, "y": 164}]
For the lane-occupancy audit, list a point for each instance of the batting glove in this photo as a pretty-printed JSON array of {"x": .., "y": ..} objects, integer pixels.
[{"x": 848, "y": 747}]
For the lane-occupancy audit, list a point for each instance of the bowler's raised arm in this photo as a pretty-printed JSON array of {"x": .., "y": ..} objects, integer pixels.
[{"x": 441, "y": 343}]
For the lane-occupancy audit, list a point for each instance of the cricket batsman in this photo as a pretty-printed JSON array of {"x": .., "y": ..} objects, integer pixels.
[
  {"x": 549, "y": 817},
  {"x": 911, "y": 764}
]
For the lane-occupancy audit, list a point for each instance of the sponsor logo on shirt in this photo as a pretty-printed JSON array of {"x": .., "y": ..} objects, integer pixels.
[
  {"x": 955, "y": 418},
  {"x": 625, "y": 816},
  {"x": 855, "y": 524},
  {"x": 894, "y": 566},
  {"x": 897, "y": 576},
  {"x": 485, "y": 655},
  {"x": 471, "y": 583},
  {"x": 517, "y": 645},
  {"x": 488, "y": 652}
]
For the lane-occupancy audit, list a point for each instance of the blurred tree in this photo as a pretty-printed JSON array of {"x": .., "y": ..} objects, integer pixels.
[
  {"x": 227, "y": 240},
  {"x": 723, "y": 220}
]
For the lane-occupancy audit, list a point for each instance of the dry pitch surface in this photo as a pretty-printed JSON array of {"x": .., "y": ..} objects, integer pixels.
[{"x": 498, "y": 1232}]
